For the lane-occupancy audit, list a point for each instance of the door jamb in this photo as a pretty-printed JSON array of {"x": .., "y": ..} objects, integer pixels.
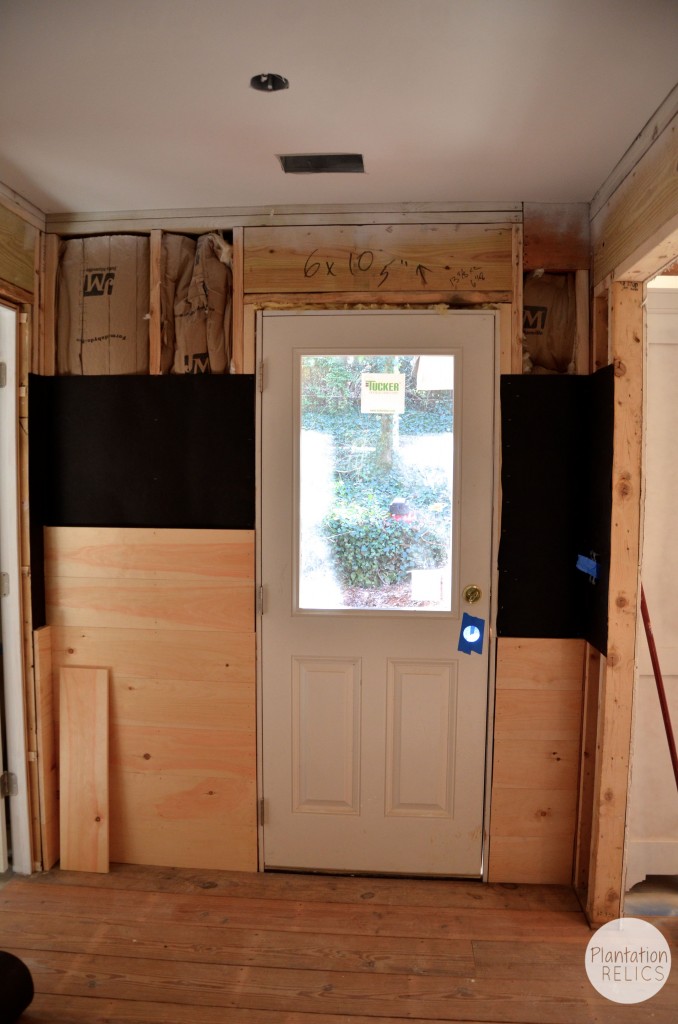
[{"x": 503, "y": 349}]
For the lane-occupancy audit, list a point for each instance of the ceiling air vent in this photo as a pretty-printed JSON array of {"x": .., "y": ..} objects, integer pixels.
[{"x": 322, "y": 163}]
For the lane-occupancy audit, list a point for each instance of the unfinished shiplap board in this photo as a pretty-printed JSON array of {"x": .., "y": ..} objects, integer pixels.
[
  {"x": 211, "y": 656},
  {"x": 182, "y": 692},
  {"x": 83, "y": 769},
  {"x": 117, "y": 553},
  {"x": 536, "y": 760},
  {"x": 384, "y": 258},
  {"x": 17, "y": 250},
  {"x": 137, "y": 604}
]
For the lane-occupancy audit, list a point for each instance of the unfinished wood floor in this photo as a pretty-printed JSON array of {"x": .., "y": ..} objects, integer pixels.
[{"x": 165, "y": 946}]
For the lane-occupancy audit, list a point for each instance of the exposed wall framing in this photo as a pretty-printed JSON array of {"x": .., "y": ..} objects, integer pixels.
[
  {"x": 615, "y": 697},
  {"x": 555, "y": 237}
]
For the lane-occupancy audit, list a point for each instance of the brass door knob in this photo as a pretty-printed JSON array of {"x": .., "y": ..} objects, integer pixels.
[{"x": 472, "y": 594}]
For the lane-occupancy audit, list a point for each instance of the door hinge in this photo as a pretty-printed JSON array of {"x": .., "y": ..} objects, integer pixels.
[
  {"x": 260, "y": 376},
  {"x": 262, "y": 810},
  {"x": 4, "y": 584},
  {"x": 260, "y": 600},
  {"x": 3, "y": 375},
  {"x": 8, "y": 784}
]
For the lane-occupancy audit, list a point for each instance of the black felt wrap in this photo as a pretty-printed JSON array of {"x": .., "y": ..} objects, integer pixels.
[{"x": 557, "y": 434}]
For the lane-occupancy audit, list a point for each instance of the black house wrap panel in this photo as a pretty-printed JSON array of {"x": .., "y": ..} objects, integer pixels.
[
  {"x": 557, "y": 434},
  {"x": 140, "y": 451}
]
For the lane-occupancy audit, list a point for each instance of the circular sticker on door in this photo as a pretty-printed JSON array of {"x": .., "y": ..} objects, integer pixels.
[{"x": 628, "y": 960}]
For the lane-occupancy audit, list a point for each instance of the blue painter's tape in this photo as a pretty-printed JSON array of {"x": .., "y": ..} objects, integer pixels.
[
  {"x": 589, "y": 566},
  {"x": 471, "y": 634}
]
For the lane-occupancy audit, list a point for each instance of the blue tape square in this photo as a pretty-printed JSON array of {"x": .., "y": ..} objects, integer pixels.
[
  {"x": 588, "y": 565},
  {"x": 471, "y": 634}
]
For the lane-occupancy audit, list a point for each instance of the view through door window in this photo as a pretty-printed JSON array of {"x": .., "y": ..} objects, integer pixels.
[{"x": 375, "y": 482}]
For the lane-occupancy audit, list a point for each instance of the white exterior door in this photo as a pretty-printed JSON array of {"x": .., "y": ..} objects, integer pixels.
[{"x": 375, "y": 520}]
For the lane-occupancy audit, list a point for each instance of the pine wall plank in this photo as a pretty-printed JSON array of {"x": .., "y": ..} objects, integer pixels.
[
  {"x": 536, "y": 760},
  {"x": 170, "y": 614},
  {"x": 48, "y": 759},
  {"x": 17, "y": 250},
  {"x": 83, "y": 769},
  {"x": 383, "y": 258}
]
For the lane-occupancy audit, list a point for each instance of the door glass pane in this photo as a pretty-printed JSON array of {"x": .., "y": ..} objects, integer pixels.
[{"x": 375, "y": 480}]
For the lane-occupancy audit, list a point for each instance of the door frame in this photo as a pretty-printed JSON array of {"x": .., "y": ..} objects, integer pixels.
[
  {"x": 502, "y": 357},
  {"x": 16, "y": 752}
]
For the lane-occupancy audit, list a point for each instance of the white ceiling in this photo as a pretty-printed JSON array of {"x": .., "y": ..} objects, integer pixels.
[{"x": 145, "y": 104}]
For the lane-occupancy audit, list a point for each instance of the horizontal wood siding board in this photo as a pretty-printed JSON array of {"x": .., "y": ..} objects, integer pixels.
[
  {"x": 540, "y": 664},
  {"x": 389, "y": 258},
  {"x": 535, "y": 812},
  {"x": 119, "y": 553},
  {"x": 555, "y": 763},
  {"x": 531, "y": 859},
  {"x": 545, "y": 715},
  {"x": 17, "y": 250},
  {"x": 174, "y": 702},
  {"x": 158, "y": 654},
  {"x": 155, "y": 604},
  {"x": 194, "y": 843},
  {"x": 183, "y": 750}
]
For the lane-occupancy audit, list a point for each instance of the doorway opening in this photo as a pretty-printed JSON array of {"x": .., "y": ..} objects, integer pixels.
[{"x": 375, "y": 526}]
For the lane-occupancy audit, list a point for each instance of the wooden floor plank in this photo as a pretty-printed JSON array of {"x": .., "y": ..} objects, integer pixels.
[
  {"x": 310, "y": 991},
  {"x": 441, "y": 922},
  {"x": 236, "y": 947},
  {"x": 201, "y": 947},
  {"x": 60, "y": 1009},
  {"x": 330, "y": 888}
]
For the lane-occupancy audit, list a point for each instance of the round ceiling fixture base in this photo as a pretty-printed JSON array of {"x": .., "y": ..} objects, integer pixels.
[{"x": 269, "y": 83}]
